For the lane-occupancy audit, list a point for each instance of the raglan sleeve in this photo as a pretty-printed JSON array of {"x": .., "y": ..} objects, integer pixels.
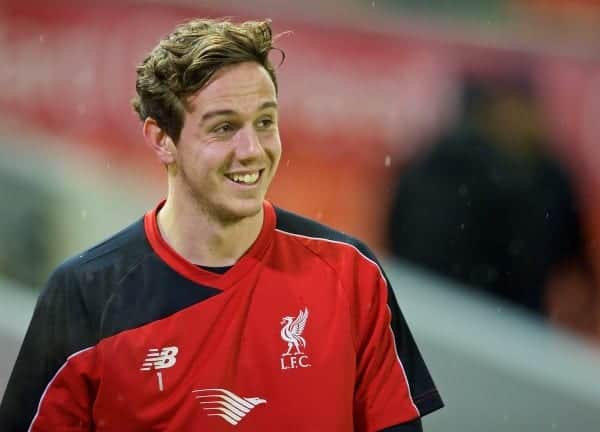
[
  {"x": 51, "y": 384},
  {"x": 393, "y": 385}
]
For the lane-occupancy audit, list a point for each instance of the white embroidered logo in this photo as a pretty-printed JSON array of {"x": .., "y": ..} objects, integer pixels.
[
  {"x": 165, "y": 358},
  {"x": 291, "y": 332},
  {"x": 227, "y": 405},
  {"x": 160, "y": 359}
]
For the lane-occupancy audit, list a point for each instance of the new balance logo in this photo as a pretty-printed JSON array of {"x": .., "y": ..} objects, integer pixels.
[
  {"x": 227, "y": 405},
  {"x": 160, "y": 359}
]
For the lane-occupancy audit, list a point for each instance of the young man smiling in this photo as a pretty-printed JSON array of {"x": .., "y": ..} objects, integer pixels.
[
  {"x": 218, "y": 311},
  {"x": 221, "y": 166}
]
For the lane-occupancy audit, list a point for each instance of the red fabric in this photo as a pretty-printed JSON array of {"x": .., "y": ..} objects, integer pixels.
[
  {"x": 66, "y": 404},
  {"x": 382, "y": 394}
]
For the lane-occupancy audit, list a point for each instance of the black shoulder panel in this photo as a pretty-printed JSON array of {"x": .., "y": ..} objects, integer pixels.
[
  {"x": 295, "y": 224},
  {"x": 122, "y": 284}
]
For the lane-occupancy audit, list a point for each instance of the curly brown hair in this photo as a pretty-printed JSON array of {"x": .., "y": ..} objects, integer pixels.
[{"x": 185, "y": 60}]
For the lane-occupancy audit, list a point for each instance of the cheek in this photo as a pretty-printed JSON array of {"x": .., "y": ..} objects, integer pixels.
[
  {"x": 273, "y": 146},
  {"x": 191, "y": 162},
  {"x": 210, "y": 162}
]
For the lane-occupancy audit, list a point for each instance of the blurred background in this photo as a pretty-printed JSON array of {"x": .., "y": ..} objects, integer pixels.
[{"x": 459, "y": 139}]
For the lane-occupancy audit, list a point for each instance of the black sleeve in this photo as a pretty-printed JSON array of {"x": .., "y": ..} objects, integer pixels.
[
  {"x": 413, "y": 426},
  {"x": 57, "y": 329},
  {"x": 422, "y": 387},
  {"x": 394, "y": 385},
  {"x": 424, "y": 391}
]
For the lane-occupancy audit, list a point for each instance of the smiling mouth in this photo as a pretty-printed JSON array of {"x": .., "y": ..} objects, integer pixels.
[{"x": 247, "y": 178}]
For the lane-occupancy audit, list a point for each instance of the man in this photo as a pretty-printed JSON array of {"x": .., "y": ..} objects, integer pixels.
[{"x": 218, "y": 311}]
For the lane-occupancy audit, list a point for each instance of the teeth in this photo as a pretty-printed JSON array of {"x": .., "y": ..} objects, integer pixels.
[{"x": 245, "y": 178}]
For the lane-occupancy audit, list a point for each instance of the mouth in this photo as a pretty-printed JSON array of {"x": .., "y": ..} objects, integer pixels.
[{"x": 247, "y": 178}]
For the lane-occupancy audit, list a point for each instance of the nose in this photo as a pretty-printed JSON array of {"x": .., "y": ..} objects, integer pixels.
[{"x": 248, "y": 144}]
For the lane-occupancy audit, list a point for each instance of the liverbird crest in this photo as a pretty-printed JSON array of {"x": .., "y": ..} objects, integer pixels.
[{"x": 291, "y": 332}]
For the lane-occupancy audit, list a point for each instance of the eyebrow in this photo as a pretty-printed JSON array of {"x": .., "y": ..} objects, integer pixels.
[{"x": 211, "y": 114}]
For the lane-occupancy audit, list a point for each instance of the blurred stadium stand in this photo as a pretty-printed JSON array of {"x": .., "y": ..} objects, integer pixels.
[{"x": 365, "y": 87}]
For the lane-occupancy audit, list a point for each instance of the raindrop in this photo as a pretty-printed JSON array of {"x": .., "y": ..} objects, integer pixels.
[
  {"x": 83, "y": 214},
  {"x": 388, "y": 161}
]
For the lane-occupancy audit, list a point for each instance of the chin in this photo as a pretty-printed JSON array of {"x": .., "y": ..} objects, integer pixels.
[{"x": 236, "y": 211}]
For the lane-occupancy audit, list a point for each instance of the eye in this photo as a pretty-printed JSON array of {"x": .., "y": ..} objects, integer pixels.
[
  {"x": 265, "y": 123},
  {"x": 223, "y": 128}
]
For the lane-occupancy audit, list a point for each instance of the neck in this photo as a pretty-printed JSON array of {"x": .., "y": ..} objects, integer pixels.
[{"x": 200, "y": 238}]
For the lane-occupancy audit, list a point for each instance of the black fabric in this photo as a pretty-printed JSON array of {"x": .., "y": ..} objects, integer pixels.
[
  {"x": 413, "y": 426},
  {"x": 216, "y": 270},
  {"x": 145, "y": 295},
  {"x": 123, "y": 284}
]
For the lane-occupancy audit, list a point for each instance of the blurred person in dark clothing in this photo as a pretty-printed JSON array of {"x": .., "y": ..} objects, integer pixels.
[{"x": 487, "y": 205}]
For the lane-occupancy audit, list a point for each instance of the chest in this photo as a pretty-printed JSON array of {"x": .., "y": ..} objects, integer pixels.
[{"x": 273, "y": 351}]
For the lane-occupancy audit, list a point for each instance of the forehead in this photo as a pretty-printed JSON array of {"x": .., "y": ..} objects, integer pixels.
[{"x": 242, "y": 88}]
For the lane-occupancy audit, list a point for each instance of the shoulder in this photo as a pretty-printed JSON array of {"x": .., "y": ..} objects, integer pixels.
[
  {"x": 322, "y": 239},
  {"x": 103, "y": 262}
]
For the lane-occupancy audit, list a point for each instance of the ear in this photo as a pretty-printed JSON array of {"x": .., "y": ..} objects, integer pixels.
[{"x": 158, "y": 140}]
